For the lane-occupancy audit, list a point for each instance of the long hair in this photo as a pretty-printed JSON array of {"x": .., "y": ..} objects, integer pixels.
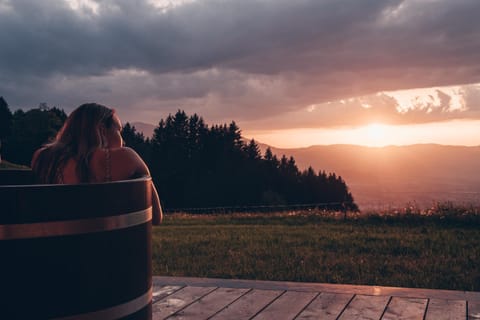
[{"x": 78, "y": 138}]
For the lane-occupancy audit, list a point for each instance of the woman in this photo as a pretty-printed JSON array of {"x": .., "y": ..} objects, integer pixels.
[{"x": 89, "y": 149}]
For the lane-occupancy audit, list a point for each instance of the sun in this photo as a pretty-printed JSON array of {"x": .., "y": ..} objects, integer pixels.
[{"x": 376, "y": 134}]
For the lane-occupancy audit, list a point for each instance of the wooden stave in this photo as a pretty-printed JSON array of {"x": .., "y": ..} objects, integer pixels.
[{"x": 114, "y": 288}]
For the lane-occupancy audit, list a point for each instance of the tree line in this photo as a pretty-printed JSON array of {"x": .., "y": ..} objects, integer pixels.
[{"x": 194, "y": 165}]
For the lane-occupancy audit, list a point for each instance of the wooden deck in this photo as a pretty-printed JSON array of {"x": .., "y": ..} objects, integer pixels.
[{"x": 198, "y": 298}]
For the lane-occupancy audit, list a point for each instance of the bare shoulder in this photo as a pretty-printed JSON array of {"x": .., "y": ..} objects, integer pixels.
[
  {"x": 127, "y": 163},
  {"x": 125, "y": 153}
]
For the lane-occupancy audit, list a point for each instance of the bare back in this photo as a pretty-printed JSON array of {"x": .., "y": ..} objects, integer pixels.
[{"x": 108, "y": 165}]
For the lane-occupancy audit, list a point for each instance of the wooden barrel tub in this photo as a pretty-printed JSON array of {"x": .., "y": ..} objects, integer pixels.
[{"x": 75, "y": 251}]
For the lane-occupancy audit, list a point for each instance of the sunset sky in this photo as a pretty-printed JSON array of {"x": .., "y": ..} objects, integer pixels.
[{"x": 290, "y": 73}]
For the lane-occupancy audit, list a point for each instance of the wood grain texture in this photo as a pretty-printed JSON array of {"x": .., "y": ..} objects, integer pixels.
[
  {"x": 322, "y": 287},
  {"x": 210, "y": 304},
  {"x": 405, "y": 309},
  {"x": 178, "y": 300},
  {"x": 201, "y": 298},
  {"x": 439, "y": 309},
  {"x": 248, "y": 305},
  {"x": 474, "y": 310},
  {"x": 287, "y": 306},
  {"x": 326, "y": 306},
  {"x": 365, "y": 308},
  {"x": 160, "y": 292}
]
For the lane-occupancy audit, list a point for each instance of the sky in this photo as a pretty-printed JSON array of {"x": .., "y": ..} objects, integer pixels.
[{"x": 289, "y": 73}]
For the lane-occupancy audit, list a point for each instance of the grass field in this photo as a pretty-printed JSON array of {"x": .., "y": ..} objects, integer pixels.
[{"x": 434, "y": 251}]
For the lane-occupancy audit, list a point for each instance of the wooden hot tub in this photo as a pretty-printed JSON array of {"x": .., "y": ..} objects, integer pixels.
[{"x": 75, "y": 251}]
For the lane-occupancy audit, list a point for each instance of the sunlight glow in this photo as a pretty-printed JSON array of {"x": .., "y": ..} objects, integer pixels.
[
  {"x": 456, "y": 132},
  {"x": 377, "y": 134}
]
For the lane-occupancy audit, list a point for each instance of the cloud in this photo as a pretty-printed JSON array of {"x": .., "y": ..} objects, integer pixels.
[
  {"x": 417, "y": 106},
  {"x": 244, "y": 60}
]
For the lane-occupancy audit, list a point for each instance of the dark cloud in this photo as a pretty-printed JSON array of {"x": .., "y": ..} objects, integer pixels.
[{"x": 250, "y": 59}]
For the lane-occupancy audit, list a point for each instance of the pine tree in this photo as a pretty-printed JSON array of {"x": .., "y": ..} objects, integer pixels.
[
  {"x": 30, "y": 130},
  {"x": 194, "y": 165},
  {"x": 252, "y": 150},
  {"x": 5, "y": 119}
]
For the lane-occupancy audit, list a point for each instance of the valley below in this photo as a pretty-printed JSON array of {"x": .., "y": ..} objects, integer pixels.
[{"x": 399, "y": 176}]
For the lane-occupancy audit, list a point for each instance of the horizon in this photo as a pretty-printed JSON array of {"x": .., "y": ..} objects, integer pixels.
[
  {"x": 376, "y": 135},
  {"x": 374, "y": 74},
  {"x": 139, "y": 125}
]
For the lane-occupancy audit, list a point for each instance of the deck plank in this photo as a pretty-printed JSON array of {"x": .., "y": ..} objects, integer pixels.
[
  {"x": 405, "y": 309},
  {"x": 178, "y": 300},
  {"x": 326, "y": 306},
  {"x": 160, "y": 292},
  {"x": 474, "y": 310},
  {"x": 248, "y": 305},
  {"x": 368, "y": 302},
  {"x": 365, "y": 308},
  {"x": 322, "y": 287},
  {"x": 439, "y": 309},
  {"x": 210, "y": 304},
  {"x": 287, "y": 306}
]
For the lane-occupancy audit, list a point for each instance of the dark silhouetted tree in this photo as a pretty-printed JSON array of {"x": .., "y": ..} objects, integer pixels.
[
  {"x": 137, "y": 141},
  {"x": 5, "y": 119},
  {"x": 197, "y": 166},
  {"x": 252, "y": 150},
  {"x": 5, "y": 122},
  {"x": 30, "y": 130}
]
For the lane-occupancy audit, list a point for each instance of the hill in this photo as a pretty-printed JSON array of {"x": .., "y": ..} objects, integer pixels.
[{"x": 398, "y": 175}]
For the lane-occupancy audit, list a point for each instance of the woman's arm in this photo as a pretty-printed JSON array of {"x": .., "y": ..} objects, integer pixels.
[
  {"x": 136, "y": 167},
  {"x": 156, "y": 207}
]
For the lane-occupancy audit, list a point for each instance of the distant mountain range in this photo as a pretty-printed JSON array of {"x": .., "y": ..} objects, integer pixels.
[
  {"x": 393, "y": 176},
  {"x": 397, "y": 175}
]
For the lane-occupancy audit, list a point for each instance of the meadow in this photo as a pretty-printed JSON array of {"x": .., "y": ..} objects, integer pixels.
[
  {"x": 432, "y": 249},
  {"x": 436, "y": 248}
]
